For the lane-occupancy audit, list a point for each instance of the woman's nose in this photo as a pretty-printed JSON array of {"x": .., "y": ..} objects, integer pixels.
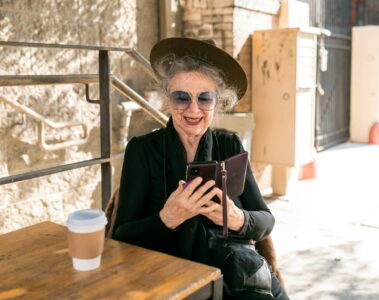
[{"x": 194, "y": 106}]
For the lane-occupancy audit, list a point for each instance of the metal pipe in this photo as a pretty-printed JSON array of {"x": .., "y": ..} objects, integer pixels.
[
  {"x": 118, "y": 84},
  {"x": 126, "y": 109},
  {"x": 135, "y": 54},
  {"x": 105, "y": 126},
  {"x": 61, "y": 145},
  {"x": 36, "y": 116},
  {"x": 57, "y": 169},
  {"x": 19, "y": 80},
  {"x": 144, "y": 62},
  {"x": 64, "y": 46},
  {"x": 42, "y": 122},
  {"x": 340, "y": 36},
  {"x": 128, "y": 92},
  {"x": 338, "y": 47}
]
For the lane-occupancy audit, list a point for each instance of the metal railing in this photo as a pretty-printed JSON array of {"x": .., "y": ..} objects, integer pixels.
[
  {"x": 43, "y": 122},
  {"x": 117, "y": 83},
  {"x": 105, "y": 81}
]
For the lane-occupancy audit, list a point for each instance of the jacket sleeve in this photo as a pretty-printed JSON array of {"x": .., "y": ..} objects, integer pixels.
[
  {"x": 259, "y": 221},
  {"x": 133, "y": 222}
]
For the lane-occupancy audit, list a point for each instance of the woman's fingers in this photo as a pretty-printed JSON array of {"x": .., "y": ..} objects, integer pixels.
[
  {"x": 206, "y": 200},
  {"x": 219, "y": 194},
  {"x": 202, "y": 191},
  {"x": 211, "y": 213},
  {"x": 189, "y": 187},
  {"x": 193, "y": 198},
  {"x": 209, "y": 208},
  {"x": 179, "y": 188}
]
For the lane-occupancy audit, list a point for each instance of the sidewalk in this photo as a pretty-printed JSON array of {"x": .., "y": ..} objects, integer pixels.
[{"x": 327, "y": 228}]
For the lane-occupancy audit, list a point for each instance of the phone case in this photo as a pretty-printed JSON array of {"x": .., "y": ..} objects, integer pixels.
[{"x": 235, "y": 166}]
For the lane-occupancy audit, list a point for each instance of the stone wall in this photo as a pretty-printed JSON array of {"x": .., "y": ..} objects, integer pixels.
[
  {"x": 231, "y": 23},
  {"x": 85, "y": 22}
]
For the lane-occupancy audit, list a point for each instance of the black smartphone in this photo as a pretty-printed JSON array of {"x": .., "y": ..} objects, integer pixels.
[{"x": 205, "y": 170}]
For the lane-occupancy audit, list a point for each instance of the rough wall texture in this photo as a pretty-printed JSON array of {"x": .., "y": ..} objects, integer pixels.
[
  {"x": 231, "y": 23},
  {"x": 85, "y": 22}
]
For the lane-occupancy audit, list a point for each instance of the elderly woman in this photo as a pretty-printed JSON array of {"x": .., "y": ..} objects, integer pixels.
[{"x": 156, "y": 210}]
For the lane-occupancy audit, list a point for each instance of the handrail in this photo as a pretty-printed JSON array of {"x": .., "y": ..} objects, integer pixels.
[
  {"x": 127, "y": 91},
  {"x": 43, "y": 122},
  {"x": 135, "y": 54},
  {"x": 19, "y": 80},
  {"x": 143, "y": 61},
  {"x": 118, "y": 84},
  {"x": 64, "y": 46}
]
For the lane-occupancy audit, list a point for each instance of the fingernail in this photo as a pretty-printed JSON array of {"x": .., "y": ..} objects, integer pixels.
[{"x": 187, "y": 183}]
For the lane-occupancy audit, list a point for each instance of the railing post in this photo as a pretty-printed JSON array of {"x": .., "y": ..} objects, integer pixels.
[{"x": 105, "y": 126}]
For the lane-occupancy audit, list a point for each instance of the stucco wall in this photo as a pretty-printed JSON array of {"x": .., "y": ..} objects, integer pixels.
[{"x": 85, "y": 22}]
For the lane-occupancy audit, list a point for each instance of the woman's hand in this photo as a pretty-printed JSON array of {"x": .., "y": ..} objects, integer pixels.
[
  {"x": 236, "y": 218},
  {"x": 184, "y": 203}
]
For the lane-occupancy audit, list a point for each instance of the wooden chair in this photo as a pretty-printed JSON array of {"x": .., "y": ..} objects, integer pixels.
[
  {"x": 265, "y": 247},
  {"x": 111, "y": 211}
]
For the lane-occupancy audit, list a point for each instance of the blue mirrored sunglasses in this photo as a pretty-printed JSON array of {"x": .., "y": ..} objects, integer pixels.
[{"x": 205, "y": 100}]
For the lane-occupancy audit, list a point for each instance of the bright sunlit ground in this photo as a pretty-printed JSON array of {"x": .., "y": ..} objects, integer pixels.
[{"x": 327, "y": 229}]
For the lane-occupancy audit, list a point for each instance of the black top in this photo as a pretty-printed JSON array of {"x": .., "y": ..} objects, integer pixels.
[{"x": 153, "y": 165}]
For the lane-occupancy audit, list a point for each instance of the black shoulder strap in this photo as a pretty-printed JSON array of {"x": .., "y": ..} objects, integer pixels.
[
  {"x": 224, "y": 204},
  {"x": 216, "y": 148}
]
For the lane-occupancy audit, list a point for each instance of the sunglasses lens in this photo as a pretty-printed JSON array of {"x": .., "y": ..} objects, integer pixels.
[
  {"x": 180, "y": 99},
  {"x": 207, "y": 100}
]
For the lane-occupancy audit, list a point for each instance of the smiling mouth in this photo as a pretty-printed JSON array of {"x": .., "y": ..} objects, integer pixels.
[{"x": 192, "y": 121}]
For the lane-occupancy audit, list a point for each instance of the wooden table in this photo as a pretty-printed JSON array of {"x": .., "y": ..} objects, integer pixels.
[{"x": 34, "y": 264}]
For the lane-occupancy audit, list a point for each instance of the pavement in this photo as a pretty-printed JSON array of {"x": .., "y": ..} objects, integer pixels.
[{"x": 327, "y": 228}]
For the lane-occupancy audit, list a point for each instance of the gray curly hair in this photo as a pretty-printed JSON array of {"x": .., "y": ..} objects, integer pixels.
[{"x": 171, "y": 65}]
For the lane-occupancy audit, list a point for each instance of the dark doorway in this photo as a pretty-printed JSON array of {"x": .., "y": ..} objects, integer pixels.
[{"x": 333, "y": 105}]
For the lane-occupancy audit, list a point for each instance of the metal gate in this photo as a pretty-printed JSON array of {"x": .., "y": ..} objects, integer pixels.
[
  {"x": 365, "y": 12},
  {"x": 333, "y": 98}
]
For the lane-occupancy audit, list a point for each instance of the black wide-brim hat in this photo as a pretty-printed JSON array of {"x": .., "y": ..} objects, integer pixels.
[{"x": 206, "y": 51}]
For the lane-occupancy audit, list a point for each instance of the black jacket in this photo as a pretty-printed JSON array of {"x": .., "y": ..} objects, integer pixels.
[{"x": 153, "y": 165}]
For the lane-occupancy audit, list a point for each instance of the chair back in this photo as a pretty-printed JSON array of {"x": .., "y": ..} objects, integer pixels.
[{"x": 111, "y": 212}]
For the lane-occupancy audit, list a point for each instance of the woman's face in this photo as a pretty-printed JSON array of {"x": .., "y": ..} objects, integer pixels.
[{"x": 191, "y": 120}]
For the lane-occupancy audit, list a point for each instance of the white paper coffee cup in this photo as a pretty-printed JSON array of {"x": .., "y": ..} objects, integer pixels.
[{"x": 86, "y": 231}]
